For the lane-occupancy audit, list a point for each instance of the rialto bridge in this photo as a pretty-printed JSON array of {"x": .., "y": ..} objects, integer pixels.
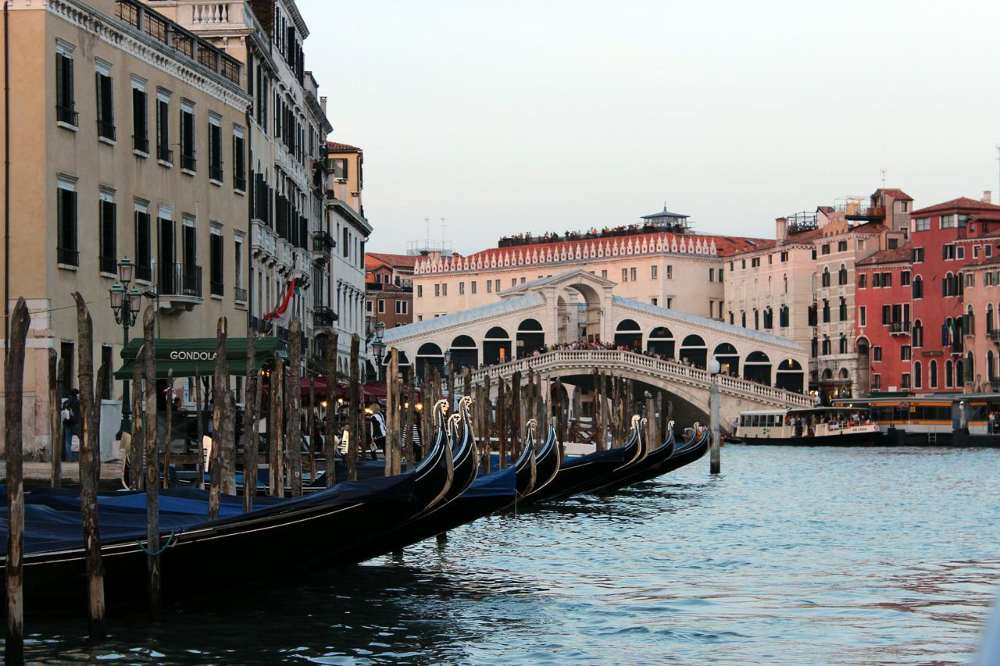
[{"x": 553, "y": 323}]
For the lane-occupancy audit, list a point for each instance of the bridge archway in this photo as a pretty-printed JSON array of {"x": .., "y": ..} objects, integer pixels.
[
  {"x": 728, "y": 358},
  {"x": 579, "y": 310},
  {"x": 496, "y": 346},
  {"x": 530, "y": 337},
  {"x": 757, "y": 368},
  {"x": 661, "y": 342},
  {"x": 694, "y": 351},
  {"x": 790, "y": 376},
  {"x": 628, "y": 334},
  {"x": 464, "y": 352},
  {"x": 429, "y": 356}
]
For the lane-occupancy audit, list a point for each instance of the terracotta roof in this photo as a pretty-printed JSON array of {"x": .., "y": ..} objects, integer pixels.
[
  {"x": 895, "y": 193},
  {"x": 868, "y": 228},
  {"x": 334, "y": 147},
  {"x": 902, "y": 254},
  {"x": 376, "y": 259},
  {"x": 961, "y": 203}
]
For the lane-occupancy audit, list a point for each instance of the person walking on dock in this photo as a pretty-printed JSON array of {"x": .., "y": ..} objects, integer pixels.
[{"x": 377, "y": 429}]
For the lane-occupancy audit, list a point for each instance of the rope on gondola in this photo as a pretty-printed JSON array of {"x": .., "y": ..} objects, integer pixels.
[{"x": 171, "y": 541}]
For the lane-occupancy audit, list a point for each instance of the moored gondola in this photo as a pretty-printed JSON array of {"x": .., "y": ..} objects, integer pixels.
[
  {"x": 282, "y": 537},
  {"x": 652, "y": 465}
]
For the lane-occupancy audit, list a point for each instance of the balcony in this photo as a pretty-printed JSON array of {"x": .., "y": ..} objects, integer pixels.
[
  {"x": 106, "y": 130},
  {"x": 323, "y": 316},
  {"x": 302, "y": 263},
  {"x": 188, "y": 162},
  {"x": 165, "y": 154},
  {"x": 67, "y": 114},
  {"x": 240, "y": 295},
  {"x": 215, "y": 171},
  {"x": 284, "y": 255},
  {"x": 140, "y": 143},
  {"x": 994, "y": 335},
  {"x": 180, "y": 286},
  {"x": 899, "y": 328},
  {"x": 263, "y": 243}
]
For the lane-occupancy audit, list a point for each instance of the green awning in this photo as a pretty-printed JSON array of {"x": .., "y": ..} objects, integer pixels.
[{"x": 188, "y": 357}]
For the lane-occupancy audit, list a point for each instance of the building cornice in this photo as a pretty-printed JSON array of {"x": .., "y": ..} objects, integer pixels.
[{"x": 124, "y": 37}]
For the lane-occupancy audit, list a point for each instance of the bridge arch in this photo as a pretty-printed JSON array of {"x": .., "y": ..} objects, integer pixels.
[
  {"x": 628, "y": 334},
  {"x": 728, "y": 358},
  {"x": 661, "y": 342},
  {"x": 757, "y": 368},
  {"x": 429, "y": 356},
  {"x": 496, "y": 346},
  {"x": 530, "y": 337},
  {"x": 464, "y": 352},
  {"x": 694, "y": 351},
  {"x": 790, "y": 376}
]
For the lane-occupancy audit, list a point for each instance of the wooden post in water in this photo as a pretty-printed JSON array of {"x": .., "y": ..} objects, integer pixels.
[
  {"x": 200, "y": 425},
  {"x": 329, "y": 445},
  {"x": 311, "y": 428},
  {"x": 406, "y": 425},
  {"x": 294, "y": 419},
  {"x": 220, "y": 380},
  {"x": 13, "y": 441},
  {"x": 55, "y": 421},
  {"x": 558, "y": 405},
  {"x": 169, "y": 429},
  {"x": 714, "y": 400},
  {"x": 392, "y": 412},
  {"x": 515, "y": 415},
  {"x": 354, "y": 410},
  {"x": 502, "y": 418},
  {"x": 251, "y": 408},
  {"x": 136, "y": 446},
  {"x": 88, "y": 487},
  {"x": 276, "y": 462},
  {"x": 650, "y": 433},
  {"x": 487, "y": 423},
  {"x": 152, "y": 459}
]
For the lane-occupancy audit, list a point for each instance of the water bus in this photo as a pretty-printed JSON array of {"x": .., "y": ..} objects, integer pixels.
[
  {"x": 959, "y": 419},
  {"x": 811, "y": 426}
]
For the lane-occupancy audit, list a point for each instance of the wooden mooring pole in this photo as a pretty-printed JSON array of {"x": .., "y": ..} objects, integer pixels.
[
  {"x": 152, "y": 457},
  {"x": 14, "y": 385},
  {"x": 329, "y": 439},
  {"x": 251, "y": 408},
  {"x": 275, "y": 474},
  {"x": 294, "y": 419},
  {"x": 169, "y": 436},
  {"x": 714, "y": 399},
  {"x": 55, "y": 421},
  {"x": 88, "y": 485},
  {"x": 199, "y": 405},
  {"x": 357, "y": 438},
  {"x": 219, "y": 390}
]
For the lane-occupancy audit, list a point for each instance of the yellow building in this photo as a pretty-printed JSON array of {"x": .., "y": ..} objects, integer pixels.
[{"x": 127, "y": 139}]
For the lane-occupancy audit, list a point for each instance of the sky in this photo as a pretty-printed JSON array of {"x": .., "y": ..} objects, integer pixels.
[{"x": 552, "y": 115}]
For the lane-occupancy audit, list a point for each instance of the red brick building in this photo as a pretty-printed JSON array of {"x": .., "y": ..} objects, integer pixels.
[
  {"x": 920, "y": 335},
  {"x": 389, "y": 288}
]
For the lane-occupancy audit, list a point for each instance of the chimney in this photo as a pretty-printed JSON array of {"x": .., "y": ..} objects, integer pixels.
[
  {"x": 987, "y": 196},
  {"x": 780, "y": 229}
]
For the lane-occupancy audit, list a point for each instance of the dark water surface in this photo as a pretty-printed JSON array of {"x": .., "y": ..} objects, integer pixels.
[{"x": 792, "y": 556}]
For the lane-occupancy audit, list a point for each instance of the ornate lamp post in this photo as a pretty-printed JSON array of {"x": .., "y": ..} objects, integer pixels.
[
  {"x": 378, "y": 347},
  {"x": 125, "y": 303}
]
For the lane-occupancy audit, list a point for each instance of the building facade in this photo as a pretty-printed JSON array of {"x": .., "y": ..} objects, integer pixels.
[
  {"x": 389, "y": 288},
  {"x": 127, "y": 140},
  {"x": 351, "y": 230},
  {"x": 291, "y": 243},
  {"x": 660, "y": 262}
]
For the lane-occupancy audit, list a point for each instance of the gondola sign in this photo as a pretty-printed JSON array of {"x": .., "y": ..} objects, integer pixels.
[{"x": 188, "y": 357}]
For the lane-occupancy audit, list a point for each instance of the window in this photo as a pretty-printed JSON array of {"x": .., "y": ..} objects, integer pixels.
[
  {"x": 842, "y": 275},
  {"x": 655, "y": 301},
  {"x": 988, "y": 250},
  {"x": 140, "y": 126},
  {"x": 917, "y": 335},
  {"x": 632, "y": 274},
  {"x": 918, "y": 255},
  {"x": 670, "y": 272},
  {"x": 239, "y": 291},
  {"x": 863, "y": 315},
  {"x": 918, "y": 375},
  {"x": 904, "y": 278},
  {"x": 339, "y": 168},
  {"x": 187, "y": 136},
  {"x": 755, "y": 262},
  {"x": 107, "y": 213},
  {"x": 842, "y": 345},
  {"x": 496, "y": 285},
  {"x": 843, "y": 309},
  {"x": 420, "y": 291},
  {"x": 826, "y": 311},
  {"x": 886, "y": 279},
  {"x": 827, "y": 346},
  {"x": 876, "y": 280},
  {"x": 826, "y": 248},
  {"x": 784, "y": 257},
  {"x": 346, "y": 243},
  {"x": 862, "y": 280},
  {"x": 905, "y": 353},
  {"x": 402, "y": 307},
  {"x": 922, "y": 224},
  {"x": 933, "y": 374},
  {"x": 489, "y": 286},
  {"x": 215, "y": 148},
  {"x": 892, "y": 243},
  {"x": 826, "y": 277},
  {"x": 444, "y": 288},
  {"x": 190, "y": 271},
  {"x": 215, "y": 259},
  {"x": 948, "y": 221},
  {"x": 624, "y": 275},
  {"x": 876, "y": 382},
  {"x": 653, "y": 270},
  {"x": 947, "y": 252},
  {"x": 513, "y": 282},
  {"x": 905, "y": 380},
  {"x": 105, "y": 102},
  {"x": 886, "y": 315},
  {"x": 461, "y": 289},
  {"x": 163, "y": 151},
  {"x": 917, "y": 287},
  {"x": 143, "y": 243},
  {"x": 65, "y": 95},
  {"x": 437, "y": 290},
  {"x": 842, "y": 246},
  {"x": 381, "y": 306},
  {"x": 876, "y": 353},
  {"x": 473, "y": 286},
  {"x": 604, "y": 274},
  {"x": 239, "y": 160},
  {"x": 960, "y": 252},
  {"x": 67, "y": 250}
]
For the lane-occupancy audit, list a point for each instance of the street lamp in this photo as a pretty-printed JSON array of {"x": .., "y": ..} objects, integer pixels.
[
  {"x": 377, "y": 333},
  {"x": 125, "y": 302}
]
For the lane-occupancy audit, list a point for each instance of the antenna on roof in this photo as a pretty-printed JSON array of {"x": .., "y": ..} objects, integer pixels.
[
  {"x": 427, "y": 223},
  {"x": 883, "y": 177},
  {"x": 443, "y": 235}
]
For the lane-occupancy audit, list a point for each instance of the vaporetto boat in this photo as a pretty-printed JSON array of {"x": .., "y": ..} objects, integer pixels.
[{"x": 814, "y": 426}]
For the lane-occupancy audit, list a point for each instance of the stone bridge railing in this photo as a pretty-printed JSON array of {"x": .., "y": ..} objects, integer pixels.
[{"x": 661, "y": 372}]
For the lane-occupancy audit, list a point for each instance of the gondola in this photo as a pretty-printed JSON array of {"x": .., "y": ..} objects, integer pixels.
[
  {"x": 462, "y": 445},
  {"x": 547, "y": 464},
  {"x": 587, "y": 473},
  {"x": 652, "y": 465},
  {"x": 281, "y": 538}
]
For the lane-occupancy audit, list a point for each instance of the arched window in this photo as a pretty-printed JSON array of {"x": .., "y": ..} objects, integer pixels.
[
  {"x": 757, "y": 367},
  {"x": 728, "y": 358},
  {"x": 814, "y": 347},
  {"x": 843, "y": 343},
  {"x": 933, "y": 380},
  {"x": 991, "y": 367},
  {"x": 989, "y": 317},
  {"x": 918, "y": 375},
  {"x": 768, "y": 318},
  {"x": 661, "y": 342},
  {"x": 628, "y": 334},
  {"x": 970, "y": 368},
  {"x": 756, "y": 319},
  {"x": 743, "y": 318},
  {"x": 969, "y": 323},
  {"x": 732, "y": 319},
  {"x": 826, "y": 277},
  {"x": 917, "y": 336},
  {"x": 842, "y": 275},
  {"x": 826, "y": 311},
  {"x": 827, "y": 346},
  {"x": 694, "y": 351},
  {"x": 918, "y": 287},
  {"x": 783, "y": 316},
  {"x": 464, "y": 353},
  {"x": 843, "y": 309},
  {"x": 785, "y": 277},
  {"x": 812, "y": 315},
  {"x": 947, "y": 374}
]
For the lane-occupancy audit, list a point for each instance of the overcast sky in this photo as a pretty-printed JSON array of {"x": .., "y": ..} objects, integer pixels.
[{"x": 510, "y": 116}]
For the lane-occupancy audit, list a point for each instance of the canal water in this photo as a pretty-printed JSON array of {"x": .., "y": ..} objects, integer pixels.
[{"x": 791, "y": 556}]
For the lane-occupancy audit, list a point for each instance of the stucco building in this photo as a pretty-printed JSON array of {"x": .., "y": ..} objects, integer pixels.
[
  {"x": 128, "y": 138},
  {"x": 389, "y": 287},
  {"x": 659, "y": 261}
]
